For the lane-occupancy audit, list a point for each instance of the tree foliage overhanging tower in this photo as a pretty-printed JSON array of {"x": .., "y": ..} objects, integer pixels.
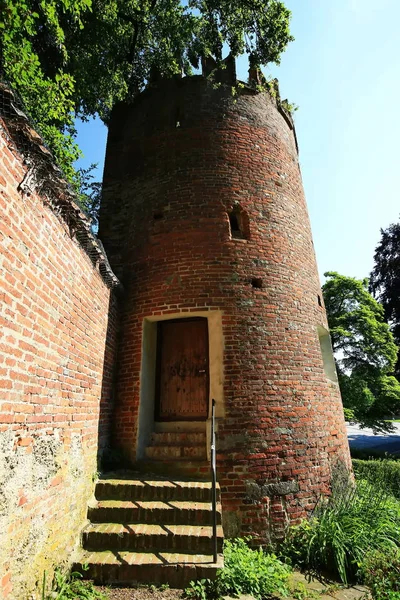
[
  {"x": 204, "y": 220},
  {"x": 79, "y": 57}
]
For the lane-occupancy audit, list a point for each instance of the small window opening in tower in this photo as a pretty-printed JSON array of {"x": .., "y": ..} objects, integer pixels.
[
  {"x": 319, "y": 300},
  {"x": 236, "y": 232},
  {"x": 238, "y": 224},
  {"x": 158, "y": 215},
  {"x": 257, "y": 283}
]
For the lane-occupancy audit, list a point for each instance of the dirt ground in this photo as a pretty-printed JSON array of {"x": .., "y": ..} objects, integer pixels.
[
  {"x": 302, "y": 588},
  {"x": 141, "y": 593}
]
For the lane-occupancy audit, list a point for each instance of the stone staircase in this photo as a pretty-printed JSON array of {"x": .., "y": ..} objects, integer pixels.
[
  {"x": 177, "y": 445},
  {"x": 172, "y": 452},
  {"x": 150, "y": 530}
]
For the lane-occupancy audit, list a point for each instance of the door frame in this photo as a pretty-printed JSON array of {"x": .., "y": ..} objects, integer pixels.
[
  {"x": 157, "y": 399},
  {"x": 145, "y": 424}
]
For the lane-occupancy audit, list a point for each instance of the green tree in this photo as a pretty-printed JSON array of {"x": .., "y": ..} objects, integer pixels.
[
  {"x": 365, "y": 351},
  {"x": 133, "y": 37},
  {"x": 385, "y": 280},
  {"x": 33, "y": 58},
  {"x": 78, "y": 57}
]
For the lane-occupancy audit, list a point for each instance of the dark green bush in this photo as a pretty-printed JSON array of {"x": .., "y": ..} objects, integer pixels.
[
  {"x": 380, "y": 571},
  {"x": 382, "y": 473},
  {"x": 370, "y": 454},
  {"x": 246, "y": 571},
  {"x": 343, "y": 529}
]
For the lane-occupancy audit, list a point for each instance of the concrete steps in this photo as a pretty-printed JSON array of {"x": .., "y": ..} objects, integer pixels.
[{"x": 150, "y": 530}]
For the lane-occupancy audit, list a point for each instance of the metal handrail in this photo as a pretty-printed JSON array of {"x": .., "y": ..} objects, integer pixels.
[{"x": 214, "y": 482}]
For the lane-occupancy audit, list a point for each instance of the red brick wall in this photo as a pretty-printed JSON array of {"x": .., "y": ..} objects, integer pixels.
[
  {"x": 56, "y": 354},
  {"x": 283, "y": 418}
]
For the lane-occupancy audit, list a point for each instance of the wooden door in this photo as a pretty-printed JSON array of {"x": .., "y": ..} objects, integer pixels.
[{"x": 182, "y": 370}]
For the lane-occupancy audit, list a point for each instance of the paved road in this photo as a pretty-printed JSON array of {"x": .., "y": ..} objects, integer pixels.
[{"x": 365, "y": 438}]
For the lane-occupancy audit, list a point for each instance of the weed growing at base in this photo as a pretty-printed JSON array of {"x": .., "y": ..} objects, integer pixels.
[
  {"x": 71, "y": 587},
  {"x": 246, "y": 571}
]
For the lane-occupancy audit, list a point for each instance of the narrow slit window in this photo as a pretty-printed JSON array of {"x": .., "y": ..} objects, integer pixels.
[
  {"x": 236, "y": 232},
  {"x": 238, "y": 224},
  {"x": 327, "y": 354}
]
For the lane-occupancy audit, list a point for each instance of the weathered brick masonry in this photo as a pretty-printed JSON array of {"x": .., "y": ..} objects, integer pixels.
[
  {"x": 180, "y": 160},
  {"x": 203, "y": 215},
  {"x": 56, "y": 355}
]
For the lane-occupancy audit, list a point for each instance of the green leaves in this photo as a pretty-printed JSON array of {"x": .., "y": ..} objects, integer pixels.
[
  {"x": 246, "y": 571},
  {"x": 80, "y": 57},
  {"x": 357, "y": 325},
  {"x": 385, "y": 278},
  {"x": 249, "y": 571},
  {"x": 69, "y": 586},
  {"x": 381, "y": 573},
  {"x": 344, "y": 529},
  {"x": 33, "y": 57},
  {"x": 365, "y": 350},
  {"x": 385, "y": 474}
]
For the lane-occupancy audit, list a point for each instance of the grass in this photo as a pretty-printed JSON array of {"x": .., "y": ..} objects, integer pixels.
[
  {"x": 343, "y": 529},
  {"x": 354, "y": 535}
]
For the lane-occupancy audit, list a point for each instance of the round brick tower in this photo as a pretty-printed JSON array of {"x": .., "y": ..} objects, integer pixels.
[{"x": 205, "y": 222}]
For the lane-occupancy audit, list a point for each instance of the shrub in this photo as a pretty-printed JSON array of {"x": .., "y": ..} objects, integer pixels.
[
  {"x": 246, "y": 571},
  {"x": 370, "y": 453},
  {"x": 252, "y": 572},
  {"x": 382, "y": 473},
  {"x": 381, "y": 573},
  {"x": 202, "y": 589},
  {"x": 343, "y": 529}
]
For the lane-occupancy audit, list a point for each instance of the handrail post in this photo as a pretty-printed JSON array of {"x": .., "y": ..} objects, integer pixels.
[{"x": 214, "y": 482}]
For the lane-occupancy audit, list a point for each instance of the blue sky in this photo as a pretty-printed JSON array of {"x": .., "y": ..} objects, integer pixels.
[{"x": 343, "y": 71}]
